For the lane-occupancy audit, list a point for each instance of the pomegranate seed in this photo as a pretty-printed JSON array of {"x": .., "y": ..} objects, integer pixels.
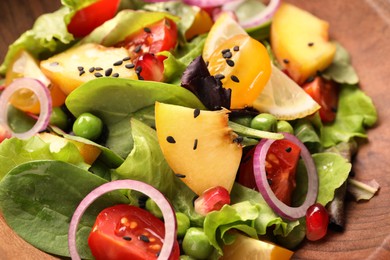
[
  {"x": 317, "y": 220},
  {"x": 212, "y": 199}
]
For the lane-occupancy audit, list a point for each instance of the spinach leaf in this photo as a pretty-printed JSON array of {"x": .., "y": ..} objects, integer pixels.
[
  {"x": 116, "y": 100},
  {"x": 16, "y": 151},
  {"x": 38, "y": 199}
]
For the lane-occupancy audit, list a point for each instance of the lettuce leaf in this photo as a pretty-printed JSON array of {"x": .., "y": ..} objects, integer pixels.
[
  {"x": 16, "y": 151},
  {"x": 356, "y": 112}
]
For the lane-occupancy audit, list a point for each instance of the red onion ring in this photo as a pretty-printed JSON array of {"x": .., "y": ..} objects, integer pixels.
[
  {"x": 287, "y": 212},
  {"x": 148, "y": 190},
  {"x": 42, "y": 93},
  {"x": 263, "y": 17},
  {"x": 206, "y": 3},
  {"x": 155, "y": 1}
]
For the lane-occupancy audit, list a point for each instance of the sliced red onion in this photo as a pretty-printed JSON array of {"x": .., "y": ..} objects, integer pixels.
[
  {"x": 285, "y": 211},
  {"x": 206, "y": 3},
  {"x": 155, "y": 1},
  {"x": 148, "y": 190},
  {"x": 255, "y": 21},
  {"x": 44, "y": 97}
]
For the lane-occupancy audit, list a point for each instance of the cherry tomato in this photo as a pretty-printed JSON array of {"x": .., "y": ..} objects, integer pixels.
[
  {"x": 127, "y": 232},
  {"x": 87, "y": 19},
  {"x": 160, "y": 36},
  {"x": 212, "y": 199},
  {"x": 326, "y": 94},
  {"x": 317, "y": 220},
  {"x": 149, "y": 67},
  {"x": 281, "y": 163},
  {"x": 242, "y": 64}
]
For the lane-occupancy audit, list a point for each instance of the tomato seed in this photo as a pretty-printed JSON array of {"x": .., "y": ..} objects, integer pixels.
[
  {"x": 144, "y": 238},
  {"x": 127, "y": 238}
]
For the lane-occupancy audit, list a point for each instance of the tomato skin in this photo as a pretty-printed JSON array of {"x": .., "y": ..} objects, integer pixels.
[
  {"x": 281, "y": 163},
  {"x": 326, "y": 94},
  {"x": 160, "y": 36},
  {"x": 87, "y": 19},
  {"x": 117, "y": 234},
  {"x": 317, "y": 221},
  {"x": 150, "y": 67}
]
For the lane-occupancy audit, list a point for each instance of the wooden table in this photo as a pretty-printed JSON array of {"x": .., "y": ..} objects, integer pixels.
[{"x": 363, "y": 28}]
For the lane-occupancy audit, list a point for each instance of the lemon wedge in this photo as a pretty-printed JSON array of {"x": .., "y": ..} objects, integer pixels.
[
  {"x": 246, "y": 248},
  {"x": 224, "y": 28},
  {"x": 284, "y": 98}
]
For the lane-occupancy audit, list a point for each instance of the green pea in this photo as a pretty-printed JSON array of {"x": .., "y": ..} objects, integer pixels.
[
  {"x": 243, "y": 120},
  {"x": 183, "y": 224},
  {"x": 58, "y": 118},
  {"x": 152, "y": 207},
  {"x": 284, "y": 126},
  {"x": 264, "y": 122},
  {"x": 88, "y": 126},
  {"x": 186, "y": 257},
  {"x": 196, "y": 244}
]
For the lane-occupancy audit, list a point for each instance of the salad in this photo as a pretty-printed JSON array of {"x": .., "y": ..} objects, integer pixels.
[{"x": 178, "y": 129}]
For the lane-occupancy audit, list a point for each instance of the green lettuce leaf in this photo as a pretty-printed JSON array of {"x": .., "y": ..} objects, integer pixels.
[
  {"x": 333, "y": 170},
  {"x": 341, "y": 69},
  {"x": 48, "y": 36},
  {"x": 356, "y": 112},
  {"x": 16, "y": 151}
]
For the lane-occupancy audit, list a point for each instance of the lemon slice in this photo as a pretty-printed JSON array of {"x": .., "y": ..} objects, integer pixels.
[
  {"x": 246, "y": 248},
  {"x": 285, "y": 99},
  {"x": 224, "y": 28}
]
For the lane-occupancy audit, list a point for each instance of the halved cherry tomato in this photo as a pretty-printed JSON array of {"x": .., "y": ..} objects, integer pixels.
[
  {"x": 281, "y": 164},
  {"x": 160, "y": 36},
  {"x": 128, "y": 232},
  {"x": 326, "y": 94},
  {"x": 92, "y": 16},
  {"x": 243, "y": 65},
  {"x": 149, "y": 67}
]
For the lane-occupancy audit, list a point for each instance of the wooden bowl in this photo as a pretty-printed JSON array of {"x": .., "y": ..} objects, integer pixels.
[{"x": 363, "y": 28}]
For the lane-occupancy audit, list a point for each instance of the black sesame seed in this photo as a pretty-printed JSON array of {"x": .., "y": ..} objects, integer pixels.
[
  {"x": 286, "y": 61},
  {"x": 98, "y": 68},
  {"x": 126, "y": 58},
  {"x": 127, "y": 238},
  {"x": 98, "y": 75},
  {"x": 236, "y": 48},
  {"x": 91, "y": 69},
  {"x": 138, "y": 48},
  {"x": 115, "y": 75},
  {"x": 129, "y": 66},
  {"x": 235, "y": 79},
  {"x": 196, "y": 112},
  {"x": 288, "y": 149},
  {"x": 195, "y": 144},
  {"x": 147, "y": 30},
  {"x": 219, "y": 76},
  {"x": 158, "y": 253},
  {"x": 81, "y": 72},
  {"x": 80, "y": 68},
  {"x": 269, "y": 181},
  {"x": 180, "y": 175},
  {"x": 310, "y": 44},
  {"x": 118, "y": 63},
  {"x": 225, "y": 51},
  {"x": 238, "y": 139},
  {"x": 309, "y": 79},
  {"x": 227, "y": 55},
  {"x": 230, "y": 63},
  {"x": 138, "y": 69},
  {"x": 108, "y": 72},
  {"x": 140, "y": 77},
  {"x": 144, "y": 238},
  {"x": 55, "y": 63},
  {"x": 171, "y": 140}
]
